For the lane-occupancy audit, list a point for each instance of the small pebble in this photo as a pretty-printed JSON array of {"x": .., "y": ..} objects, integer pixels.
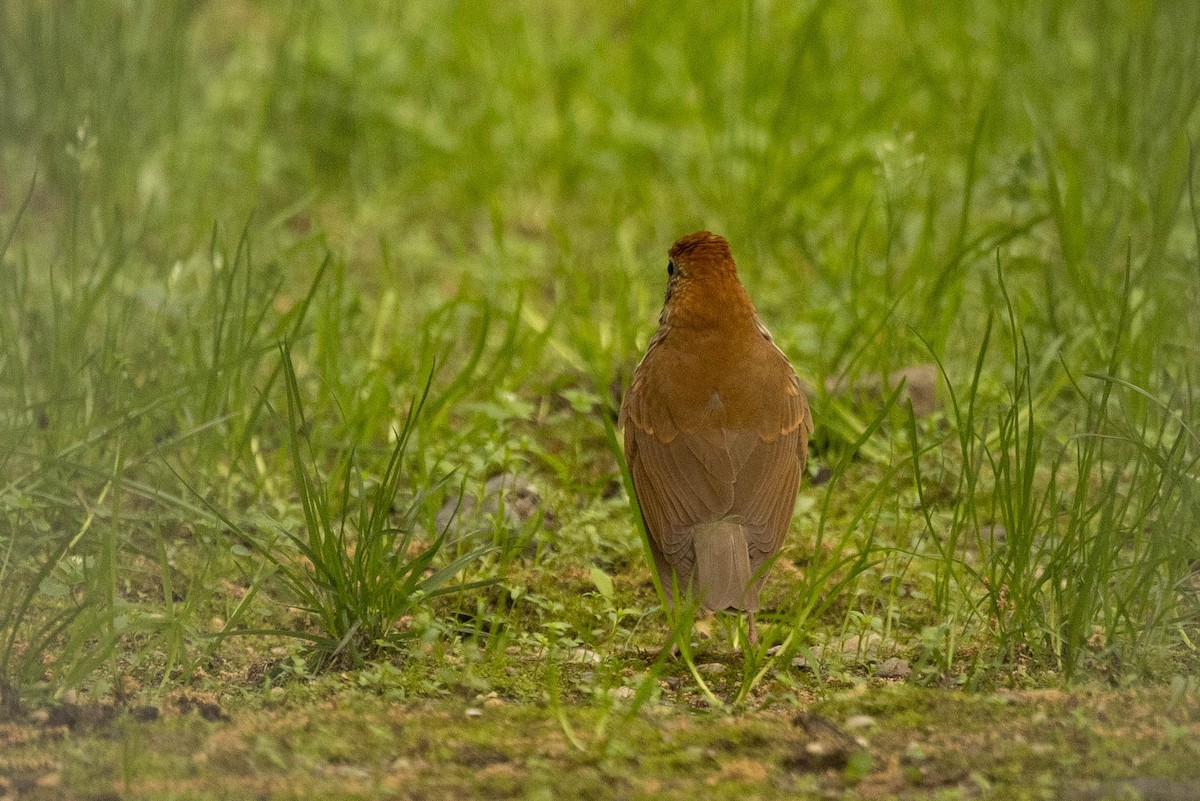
[
  {"x": 473, "y": 712},
  {"x": 894, "y": 668},
  {"x": 816, "y": 748},
  {"x": 585, "y": 655},
  {"x": 859, "y": 722},
  {"x": 861, "y": 645}
]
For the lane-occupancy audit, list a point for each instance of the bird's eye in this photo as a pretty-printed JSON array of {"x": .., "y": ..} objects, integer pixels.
[{"x": 670, "y": 267}]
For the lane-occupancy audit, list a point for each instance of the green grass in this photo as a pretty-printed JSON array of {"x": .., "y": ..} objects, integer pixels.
[
  {"x": 351, "y": 570},
  {"x": 470, "y": 203}
]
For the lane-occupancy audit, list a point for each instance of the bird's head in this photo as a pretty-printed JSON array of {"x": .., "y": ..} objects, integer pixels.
[{"x": 703, "y": 289}]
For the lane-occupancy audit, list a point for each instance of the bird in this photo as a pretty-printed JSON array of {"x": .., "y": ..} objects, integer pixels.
[{"x": 716, "y": 429}]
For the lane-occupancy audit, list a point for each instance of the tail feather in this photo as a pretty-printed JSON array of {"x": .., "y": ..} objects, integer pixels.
[{"x": 723, "y": 574}]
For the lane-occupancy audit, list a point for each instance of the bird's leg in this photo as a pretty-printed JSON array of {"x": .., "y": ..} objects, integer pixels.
[{"x": 752, "y": 632}]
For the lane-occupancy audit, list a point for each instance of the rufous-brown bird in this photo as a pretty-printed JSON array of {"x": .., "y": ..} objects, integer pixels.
[{"x": 716, "y": 434}]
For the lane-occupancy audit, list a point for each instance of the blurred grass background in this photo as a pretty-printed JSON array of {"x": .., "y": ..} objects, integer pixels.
[{"x": 1007, "y": 188}]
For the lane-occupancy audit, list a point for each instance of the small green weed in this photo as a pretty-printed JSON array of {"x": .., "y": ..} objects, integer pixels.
[{"x": 358, "y": 568}]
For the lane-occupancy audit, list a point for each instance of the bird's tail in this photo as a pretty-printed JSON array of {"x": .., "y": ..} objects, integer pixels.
[{"x": 723, "y": 574}]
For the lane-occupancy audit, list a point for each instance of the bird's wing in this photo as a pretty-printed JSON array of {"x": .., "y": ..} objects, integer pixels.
[
  {"x": 767, "y": 484},
  {"x": 766, "y": 496},
  {"x": 677, "y": 487}
]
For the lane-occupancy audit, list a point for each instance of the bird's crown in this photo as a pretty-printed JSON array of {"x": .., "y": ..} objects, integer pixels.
[{"x": 701, "y": 245}]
